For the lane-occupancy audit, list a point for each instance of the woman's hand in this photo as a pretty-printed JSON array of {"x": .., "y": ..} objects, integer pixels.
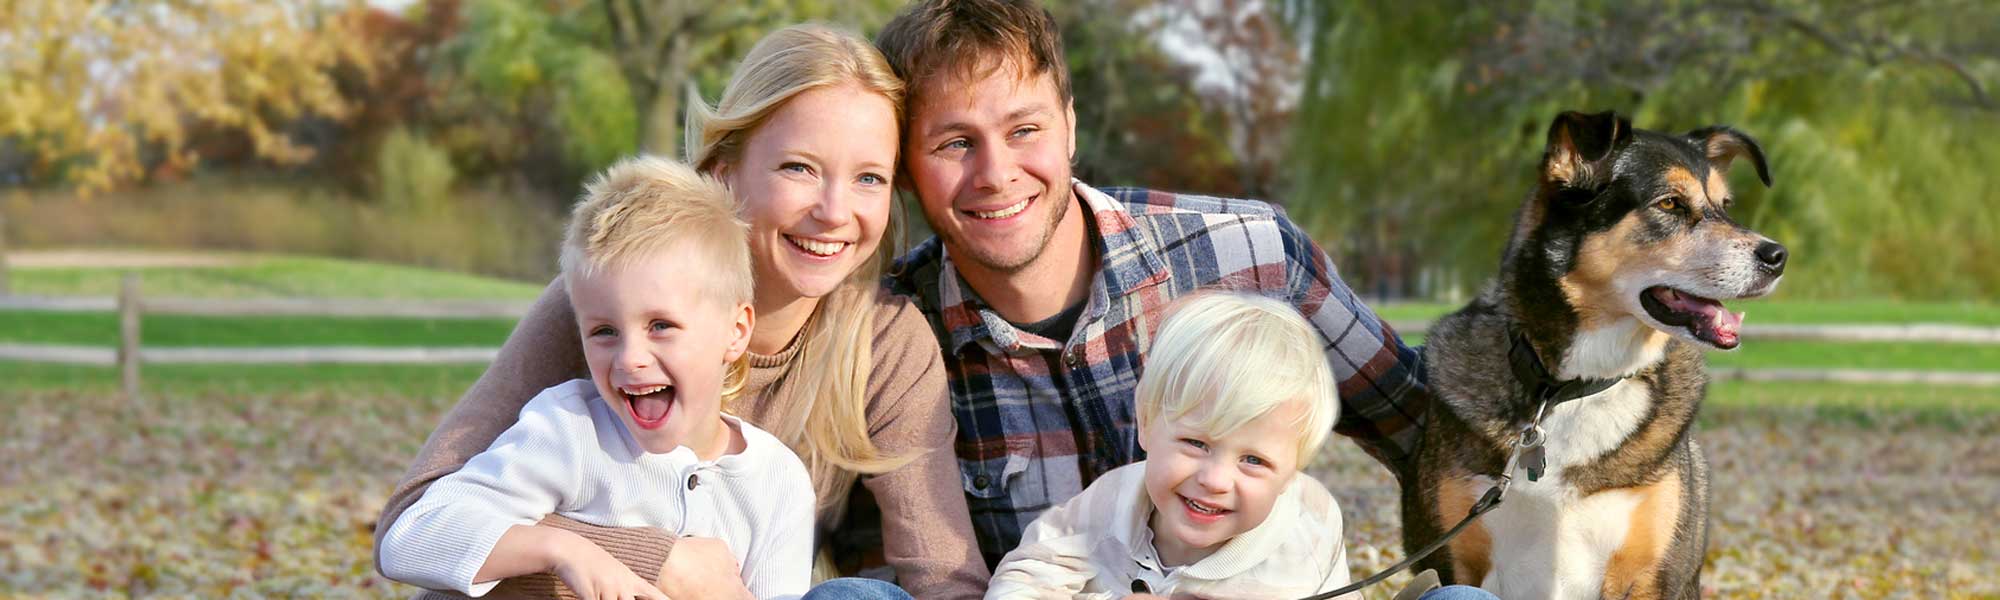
[
  {"x": 594, "y": 574},
  {"x": 701, "y": 567}
]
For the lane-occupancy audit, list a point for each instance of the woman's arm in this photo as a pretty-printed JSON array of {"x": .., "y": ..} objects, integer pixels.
[
  {"x": 543, "y": 351},
  {"x": 926, "y": 529}
]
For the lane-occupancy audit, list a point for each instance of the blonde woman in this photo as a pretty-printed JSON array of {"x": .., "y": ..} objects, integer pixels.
[{"x": 805, "y": 136}]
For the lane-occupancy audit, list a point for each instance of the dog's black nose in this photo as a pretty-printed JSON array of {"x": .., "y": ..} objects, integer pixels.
[{"x": 1772, "y": 255}]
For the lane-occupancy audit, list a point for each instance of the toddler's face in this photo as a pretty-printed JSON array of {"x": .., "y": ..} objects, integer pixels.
[
  {"x": 658, "y": 349},
  {"x": 1207, "y": 490}
]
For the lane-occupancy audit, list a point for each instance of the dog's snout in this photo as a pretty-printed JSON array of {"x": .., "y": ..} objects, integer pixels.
[{"x": 1772, "y": 256}]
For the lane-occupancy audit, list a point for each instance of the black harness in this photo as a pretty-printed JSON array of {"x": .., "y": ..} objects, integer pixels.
[{"x": 1529, "y": 450}]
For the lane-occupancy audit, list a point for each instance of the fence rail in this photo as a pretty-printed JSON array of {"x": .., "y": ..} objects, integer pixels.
[{"x": 130, "y": 354}]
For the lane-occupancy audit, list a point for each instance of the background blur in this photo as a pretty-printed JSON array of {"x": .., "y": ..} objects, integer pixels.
[{"x": 266, "y": 167}]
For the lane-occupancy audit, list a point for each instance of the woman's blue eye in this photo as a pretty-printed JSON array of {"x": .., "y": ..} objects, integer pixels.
[
  {"x": 873, "y": 179},
  {"x": 795, "y": 167}
]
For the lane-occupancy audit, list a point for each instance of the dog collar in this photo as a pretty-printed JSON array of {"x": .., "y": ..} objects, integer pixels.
[{"x": 1544, "y": 387}]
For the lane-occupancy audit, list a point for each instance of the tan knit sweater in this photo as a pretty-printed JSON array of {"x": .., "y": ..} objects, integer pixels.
[{"x": 927, "y": 533}]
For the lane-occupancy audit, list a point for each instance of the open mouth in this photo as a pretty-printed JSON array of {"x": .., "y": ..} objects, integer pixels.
[
  {"x": 1002, "y": 212},
  {"x": 1704, "y": 318},
  {"x": 1203, "y": 512},
  {"x": 650, "y": 404}
]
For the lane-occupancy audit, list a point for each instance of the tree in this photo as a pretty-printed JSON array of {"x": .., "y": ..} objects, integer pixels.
[{"x": 99, "y": 91}]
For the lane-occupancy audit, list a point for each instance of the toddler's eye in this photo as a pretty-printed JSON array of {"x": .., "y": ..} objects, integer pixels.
[
  {"x": 1198, "y": 444},
  {"x": 1257, "y": 461},
  {"x": 603, "y": 331},
  {"x": 659, "y": 326}
]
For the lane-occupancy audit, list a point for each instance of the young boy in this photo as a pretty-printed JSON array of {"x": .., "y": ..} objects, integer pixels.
[
  {"x": 1235, "y": 398},
  {"x": 658, "y": 270}
]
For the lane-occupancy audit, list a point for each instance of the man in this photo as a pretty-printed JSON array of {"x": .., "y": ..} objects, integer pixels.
[{"x": 1043, "y": 291}]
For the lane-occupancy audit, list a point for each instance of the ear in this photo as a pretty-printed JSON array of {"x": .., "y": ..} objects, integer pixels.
[
  {"x": 1070, "y": 111},
  {"x": 1724, "y": 144},
  {"x": 1577, "y": 142},
  {"x": 743, "y": 320}
]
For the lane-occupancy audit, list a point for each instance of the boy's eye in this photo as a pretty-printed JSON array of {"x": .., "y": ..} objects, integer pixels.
[
  {"x": 603, "y": 331},
  {"x": 1256, "y": 461},
  {"x": 659, "y": 326},
  {"x": 1198, "y": 444}
]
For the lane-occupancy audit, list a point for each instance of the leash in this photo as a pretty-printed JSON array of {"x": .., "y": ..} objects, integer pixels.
[{"x": 1531, "y": 442}]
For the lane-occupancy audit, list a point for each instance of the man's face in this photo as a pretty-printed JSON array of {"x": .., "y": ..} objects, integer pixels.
[{"x": 989, "y": 159}]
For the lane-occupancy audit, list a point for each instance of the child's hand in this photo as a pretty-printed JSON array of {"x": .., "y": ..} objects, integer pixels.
[
  {"x": 701, "y": 567},
  {"x": 594, "y": 574}
]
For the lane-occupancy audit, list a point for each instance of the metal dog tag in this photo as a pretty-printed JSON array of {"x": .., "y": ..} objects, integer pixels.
[{"x": 1534, "y": 460}]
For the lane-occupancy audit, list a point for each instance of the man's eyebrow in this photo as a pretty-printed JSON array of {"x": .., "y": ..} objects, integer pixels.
[{"x": 1034, "y": 110}]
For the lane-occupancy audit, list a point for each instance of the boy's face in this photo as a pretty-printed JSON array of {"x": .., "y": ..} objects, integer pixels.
[
  {"x": 1207, "y": 490},
  {"x": 658, "y": 345},
  {"x": 989, "y": 161}
]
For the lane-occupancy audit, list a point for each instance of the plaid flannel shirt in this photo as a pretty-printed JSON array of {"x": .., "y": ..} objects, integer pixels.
[{"x": 1039, "y": 419}]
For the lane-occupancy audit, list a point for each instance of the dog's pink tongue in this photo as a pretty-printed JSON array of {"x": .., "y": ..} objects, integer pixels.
[{"x": 650, "y": 407}]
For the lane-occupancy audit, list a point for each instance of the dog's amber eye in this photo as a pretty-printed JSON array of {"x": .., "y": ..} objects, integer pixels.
[{"x": 1669, "y": 204}]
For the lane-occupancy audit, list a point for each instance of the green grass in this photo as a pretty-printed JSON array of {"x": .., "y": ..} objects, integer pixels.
[
  {"x": 271, "y": 276},
  {"x": 411, "y": 381},
  {"x": 1789, "y": 312},
  {"x": 167, "y": 331}
]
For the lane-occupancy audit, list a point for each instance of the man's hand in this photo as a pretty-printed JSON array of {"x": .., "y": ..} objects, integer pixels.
[
  {"x": 594, "y": 574},
  {"x": 700, "y": 567}
]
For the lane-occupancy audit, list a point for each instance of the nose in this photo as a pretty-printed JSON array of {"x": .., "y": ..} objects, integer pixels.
[
  {"x": 1213, "y": 476},
  {"x": 834, "y": 208},
  {"x": 994, "y": 168},
  {"x": 632, "y": 357},
  {"x": 1771, "y": 255}
]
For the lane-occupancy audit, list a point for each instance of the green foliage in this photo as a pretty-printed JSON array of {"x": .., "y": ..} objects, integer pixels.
[
  {"x": 411, "y": 174},
  {"x": 1422, "y": 125}
]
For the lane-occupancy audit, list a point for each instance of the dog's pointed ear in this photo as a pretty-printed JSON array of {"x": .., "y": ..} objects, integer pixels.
[
  {"x": 1578, "y": 142},
  {"x": 1724, "y": 144}
]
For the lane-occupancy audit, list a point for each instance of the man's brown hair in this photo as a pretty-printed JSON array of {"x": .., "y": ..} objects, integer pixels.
[{"x": 967, "y": 39}]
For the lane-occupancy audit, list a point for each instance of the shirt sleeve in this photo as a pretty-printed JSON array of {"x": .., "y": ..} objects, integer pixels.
[
  {"x": 443, "y": 539},
  {"x": 1053, "y": 560},
  {"x": 779, "y": 564},
  {"x": 1382, "y": 393}
]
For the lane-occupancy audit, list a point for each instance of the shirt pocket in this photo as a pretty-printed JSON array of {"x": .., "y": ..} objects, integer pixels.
[{"x": 1001, "y": 483}]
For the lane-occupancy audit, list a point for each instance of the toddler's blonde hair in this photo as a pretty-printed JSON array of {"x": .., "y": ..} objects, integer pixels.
[{"x": 1223, "y": 359}]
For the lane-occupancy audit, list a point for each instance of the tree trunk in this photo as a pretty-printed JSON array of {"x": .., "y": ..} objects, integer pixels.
[{"x": 662, "y": 134}]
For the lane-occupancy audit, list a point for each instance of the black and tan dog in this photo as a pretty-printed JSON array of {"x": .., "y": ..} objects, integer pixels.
[{"x": 1608, "y": 290}]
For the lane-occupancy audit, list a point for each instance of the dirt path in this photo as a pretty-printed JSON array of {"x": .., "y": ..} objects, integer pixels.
[{"x": 120, "y": 259}]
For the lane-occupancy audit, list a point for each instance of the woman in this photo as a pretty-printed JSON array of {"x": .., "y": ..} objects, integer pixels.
[{"x": 805, "y": 136}]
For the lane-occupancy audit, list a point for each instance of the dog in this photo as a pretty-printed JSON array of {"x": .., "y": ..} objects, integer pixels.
[{"x": 1611, "y": 285}]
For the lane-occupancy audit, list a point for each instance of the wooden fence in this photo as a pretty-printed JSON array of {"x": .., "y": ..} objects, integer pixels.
[{"x": 131, "y": 306}]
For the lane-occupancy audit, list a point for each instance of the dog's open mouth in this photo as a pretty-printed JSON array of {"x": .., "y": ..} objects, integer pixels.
[{"x": 1704, "y": 318}]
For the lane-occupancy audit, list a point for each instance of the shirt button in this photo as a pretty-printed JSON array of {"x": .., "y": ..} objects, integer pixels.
[
  {"x": 694, "y": 480},
  {"x": 981, "y": 482}
]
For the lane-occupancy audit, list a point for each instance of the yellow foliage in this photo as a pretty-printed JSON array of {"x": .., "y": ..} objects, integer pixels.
[{"x": 90, "y": 87}]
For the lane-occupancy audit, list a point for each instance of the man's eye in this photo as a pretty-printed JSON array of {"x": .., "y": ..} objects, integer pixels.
[
  {"x": 1025, "y": 131},
  {"x": 956, "y": 144}
]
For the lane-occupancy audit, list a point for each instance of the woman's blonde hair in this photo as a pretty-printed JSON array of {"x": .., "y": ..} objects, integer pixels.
[
  {"x": 829, "y": 375},
  {"x": 1223, "y": 359}
]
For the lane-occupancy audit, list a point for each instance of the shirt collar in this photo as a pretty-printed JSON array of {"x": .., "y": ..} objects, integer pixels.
[{"x": 1127, "y": 261}]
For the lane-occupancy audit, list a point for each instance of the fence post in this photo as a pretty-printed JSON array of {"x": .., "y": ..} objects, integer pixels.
[
  {"x": 5, "y": 279},
  {"x": 128, "y": 336}
]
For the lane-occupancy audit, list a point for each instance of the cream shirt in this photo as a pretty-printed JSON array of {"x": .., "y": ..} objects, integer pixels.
[{"x": 1099, "y": 545}]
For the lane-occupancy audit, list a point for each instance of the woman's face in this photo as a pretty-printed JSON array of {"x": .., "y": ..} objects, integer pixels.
[{"x": 814, "y": 184}]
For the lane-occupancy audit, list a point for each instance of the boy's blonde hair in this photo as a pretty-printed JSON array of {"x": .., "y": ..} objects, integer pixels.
[
  {"x": 828, "y": 377},
  {"x": 644, "y": 205},
  {"x": 1223, "y": 359}
]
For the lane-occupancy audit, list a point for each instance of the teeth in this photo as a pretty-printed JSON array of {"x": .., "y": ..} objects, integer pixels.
[
  {"x": 1003, "y": 213},
  {"x": 817, "y": 247},
  {"x": 1201, "y": 508},
  {"x": 641, "y": 391}
]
